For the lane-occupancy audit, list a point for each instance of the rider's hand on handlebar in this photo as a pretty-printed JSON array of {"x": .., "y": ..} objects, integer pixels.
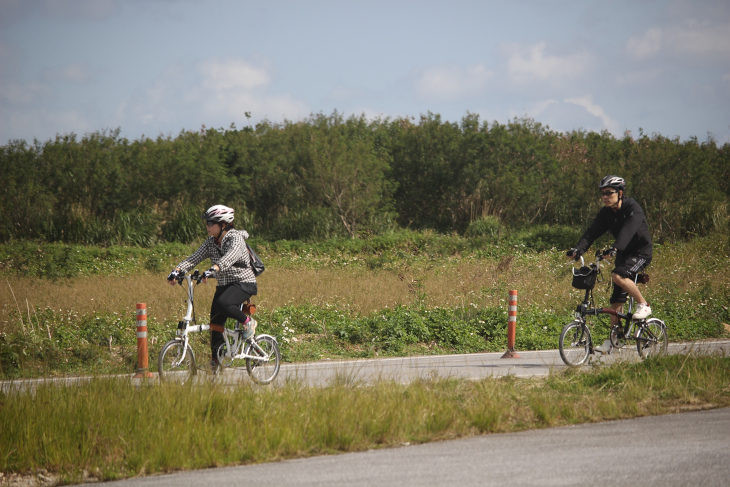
[
  {"x": 609, "y": 253},
  {"x": 574, "y": 253},
  {"x": 173, "y": 277},
  {"x": 209, "y": 273}
]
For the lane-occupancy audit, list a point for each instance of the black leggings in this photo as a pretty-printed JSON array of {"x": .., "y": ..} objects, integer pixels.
[{"x": 227, "y": 304}]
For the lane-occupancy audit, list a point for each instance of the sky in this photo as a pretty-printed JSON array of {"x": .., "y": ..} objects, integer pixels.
[{"x": 157, "y": 67}]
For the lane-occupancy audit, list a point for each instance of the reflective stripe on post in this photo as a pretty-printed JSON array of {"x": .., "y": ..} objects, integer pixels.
[
  {"x": 142, "y": 359},
  {"x": 511, "y": 326}
]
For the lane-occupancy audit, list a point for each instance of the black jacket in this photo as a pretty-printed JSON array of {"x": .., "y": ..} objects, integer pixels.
[{"x": 627, "y": 225}]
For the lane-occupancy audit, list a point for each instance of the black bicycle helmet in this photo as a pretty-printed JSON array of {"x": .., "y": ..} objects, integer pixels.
[{"x": 614, "y": 182}]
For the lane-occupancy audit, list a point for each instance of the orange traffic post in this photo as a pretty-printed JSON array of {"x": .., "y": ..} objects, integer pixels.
[
  {"x": 142, "y": 359},
  {"x": 511, "y": 326}
]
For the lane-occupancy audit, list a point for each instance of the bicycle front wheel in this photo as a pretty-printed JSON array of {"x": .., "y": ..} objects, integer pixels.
[
  {"x": 172, "y": 366},
  {"x": 265, "y": 369},
  {"x": 652, "y": 340},
  {"x": 575, "y": 343}
]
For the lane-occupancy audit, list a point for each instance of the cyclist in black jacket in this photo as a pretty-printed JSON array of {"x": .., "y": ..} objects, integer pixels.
[{"x": 625, "y": 219}]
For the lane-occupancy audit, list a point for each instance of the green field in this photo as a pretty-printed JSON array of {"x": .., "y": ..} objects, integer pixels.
[{"x": 404, "y": 294}]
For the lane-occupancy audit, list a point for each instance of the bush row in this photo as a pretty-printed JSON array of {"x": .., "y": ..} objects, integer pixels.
[{"x": 327, "y": 176}]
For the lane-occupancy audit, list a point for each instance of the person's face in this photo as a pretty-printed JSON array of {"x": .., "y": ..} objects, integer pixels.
[
  {"x": 214, "y": 229},
  {"x": 609, "y": 197}
]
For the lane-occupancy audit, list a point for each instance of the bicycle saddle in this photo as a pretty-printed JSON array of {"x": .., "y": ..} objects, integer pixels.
[{"x": 642, "y": 278}]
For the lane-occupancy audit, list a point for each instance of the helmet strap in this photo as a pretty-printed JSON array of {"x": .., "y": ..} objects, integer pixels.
[
  {"x": 224, "y": 229},
  {"x": 618, "y": 203},
  {"x": 218, "y": 237}
]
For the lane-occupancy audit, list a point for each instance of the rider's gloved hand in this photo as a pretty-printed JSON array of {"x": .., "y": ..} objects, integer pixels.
[
  {"x": 610, "y": 253},
  {"x": 173, "y": 277},
  {"x": 575, "y": 253},
  {"x": 209, "y": 273}
]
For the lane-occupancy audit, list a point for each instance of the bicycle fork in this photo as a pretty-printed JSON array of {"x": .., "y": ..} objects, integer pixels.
[{"x": 183, "y": 331}]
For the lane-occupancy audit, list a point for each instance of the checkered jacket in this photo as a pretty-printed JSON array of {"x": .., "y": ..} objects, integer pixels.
[{"x": 232, "y": 257}]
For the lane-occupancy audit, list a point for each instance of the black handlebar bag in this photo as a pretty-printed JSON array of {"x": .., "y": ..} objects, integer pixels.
[{"x": 585, "y": 277}]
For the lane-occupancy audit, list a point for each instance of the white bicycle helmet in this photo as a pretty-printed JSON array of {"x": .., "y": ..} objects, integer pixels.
[
  {"x": 613, "y": 182},
  {"x": 218, "y": 214}
]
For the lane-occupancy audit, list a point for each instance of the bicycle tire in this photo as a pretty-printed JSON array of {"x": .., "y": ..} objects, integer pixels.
[
  {"x": 169, "y": 367},
  {"x": 652, "y": 340},
  {"x": 263, "y": 372},
  {"x": 575, "y": 343}
]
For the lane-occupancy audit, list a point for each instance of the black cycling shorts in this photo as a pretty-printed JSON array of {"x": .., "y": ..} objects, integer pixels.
[{"x": 627, "y": 267}]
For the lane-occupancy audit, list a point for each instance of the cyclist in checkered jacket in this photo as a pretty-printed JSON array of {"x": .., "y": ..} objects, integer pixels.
[{"x": 231, "y": 267}]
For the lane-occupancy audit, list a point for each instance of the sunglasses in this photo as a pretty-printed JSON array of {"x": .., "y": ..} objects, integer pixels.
[
  {"x": 210, "y": 224},
  {"x": 608, "y": 193}
]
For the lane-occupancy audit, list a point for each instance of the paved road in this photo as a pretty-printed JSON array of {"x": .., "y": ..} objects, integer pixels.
[
  {"x": 674, "y": 450},
  {"x": 406, "y": 369},
  {"x": 466, "y": 366}
]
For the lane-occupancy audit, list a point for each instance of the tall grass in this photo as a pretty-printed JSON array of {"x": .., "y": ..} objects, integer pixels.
[{"x": 113, "y": 429}]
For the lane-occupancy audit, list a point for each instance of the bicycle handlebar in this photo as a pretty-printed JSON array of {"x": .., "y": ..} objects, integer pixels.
[
  {"x": 599, "y": 257},
  {"x": 195, "y": 276}
]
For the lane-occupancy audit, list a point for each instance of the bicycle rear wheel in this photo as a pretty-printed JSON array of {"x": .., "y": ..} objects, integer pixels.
[
  {"x": 171, "y": 367},
  {"x": 575, "y": 343},
  {"x": 652, "y": 340},
  {"x": 263, "y": 371}
]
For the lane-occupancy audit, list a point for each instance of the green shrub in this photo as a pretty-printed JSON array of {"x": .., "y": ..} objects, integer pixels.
[{"x": 485, "y": 226}]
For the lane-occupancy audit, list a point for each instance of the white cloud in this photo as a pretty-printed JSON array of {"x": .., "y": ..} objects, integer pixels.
[
  {"x": 530, "y": 63},
  {"x": 232, "y": 106},
  {"x": 235, "y": 86},
  {"x": 542, "y": 106},
  {"x": 645, "y": 46},
  {"x": 586, "y": 102},
  {"x": 703, "y": 39},
  {"x": 23, "y": 94},
  {"x": 235, "y": 74},
  {"x": 214, "y": 92},
  {"x": 638, "y": 78},
  {"x": 73, "y": 73},
  {"x": 451, "y": 81}
]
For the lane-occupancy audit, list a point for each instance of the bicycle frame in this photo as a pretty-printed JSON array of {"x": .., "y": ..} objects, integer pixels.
[
  {"x": 576, "y": 339},
  {"x": 184, "y": 327},
  {"x": 237, "y": 343},
  {"x": 260, "y": 353},
  {"x": 586, "y": 308}
]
